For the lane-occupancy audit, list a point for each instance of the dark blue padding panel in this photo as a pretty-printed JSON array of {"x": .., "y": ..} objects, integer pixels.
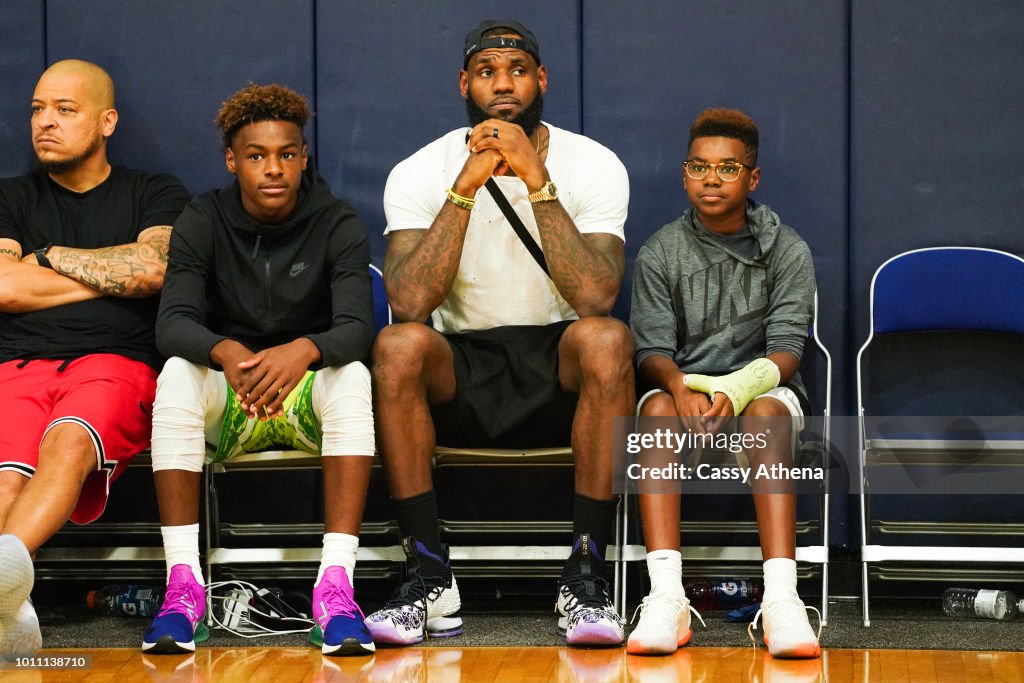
[
  {"x": 174, "y": 63},
  {"x": 949, "y": 289},
  {"x": 937, "y": 102},
  {"x": 22, "y": 60},
  {"x": 388, "y": 78},
  {"x": 650, "y": 67}
]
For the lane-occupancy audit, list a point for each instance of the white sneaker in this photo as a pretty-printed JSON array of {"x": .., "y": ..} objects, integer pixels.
[
  {"x": 664, "y": 625},
  {"x": 787, "y": 630},
  {"x": 19, "y": 625}
]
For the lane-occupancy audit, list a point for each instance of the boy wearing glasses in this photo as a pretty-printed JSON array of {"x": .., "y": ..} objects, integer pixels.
[{"x": 726, "y": 291}]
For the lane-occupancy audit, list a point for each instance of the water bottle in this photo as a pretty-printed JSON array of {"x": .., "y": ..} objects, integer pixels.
[
  {"x": 128, "y": 600},
  {"x": 980, "y": 604},
  {"x": 709, "y": 594}
]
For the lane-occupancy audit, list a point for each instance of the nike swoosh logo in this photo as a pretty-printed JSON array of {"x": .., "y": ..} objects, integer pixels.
[
  {"x": 297, "y": 268},
  {"x": 737, "y": 342}
]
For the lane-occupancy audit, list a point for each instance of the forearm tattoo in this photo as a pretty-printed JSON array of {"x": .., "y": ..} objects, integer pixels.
[
  {"x": 427, "y": 271},
  {"x": 10, "y": 252},
  {"x": 576, "y": 265},
  {"x": 127, "y": 270}
]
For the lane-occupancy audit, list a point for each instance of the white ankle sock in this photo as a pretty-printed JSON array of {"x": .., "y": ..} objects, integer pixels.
[
  {"x": 666, "y": 570},
  {"x": 181, "y": 546},
  {"x": 339, "y": 550},
  {"x": 779, "y": 579}
]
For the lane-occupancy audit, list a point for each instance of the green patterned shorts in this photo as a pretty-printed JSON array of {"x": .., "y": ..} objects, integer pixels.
[{"x": 297, "y": 429}]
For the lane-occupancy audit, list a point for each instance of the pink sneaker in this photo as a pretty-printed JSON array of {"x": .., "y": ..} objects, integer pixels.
[
  {"x": 179, "y": 624},
  {"x": 338, "y": 617}
]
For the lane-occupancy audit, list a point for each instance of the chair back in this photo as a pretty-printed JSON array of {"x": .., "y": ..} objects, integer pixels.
[
  {"x": 947, "y": 326},
  {"x": 949, "y": 288},
  {"x": 381, "y": 308}
]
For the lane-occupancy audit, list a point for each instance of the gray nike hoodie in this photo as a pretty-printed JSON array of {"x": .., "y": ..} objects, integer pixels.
[{"x": 712, "y": 310}]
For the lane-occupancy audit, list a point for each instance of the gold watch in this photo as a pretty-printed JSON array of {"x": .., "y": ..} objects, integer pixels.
[{"x": 545, "y": 194}]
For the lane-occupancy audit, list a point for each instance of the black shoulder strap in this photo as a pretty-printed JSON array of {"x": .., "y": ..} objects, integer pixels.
[{"x": 517, "y": 224}]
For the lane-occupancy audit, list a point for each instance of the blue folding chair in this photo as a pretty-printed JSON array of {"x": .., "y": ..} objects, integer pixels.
[{"x": 946, "y": 333}]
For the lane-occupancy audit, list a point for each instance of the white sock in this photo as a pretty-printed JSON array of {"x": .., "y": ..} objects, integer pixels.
[
  {"x": 339, "y": 550},
  {"x": 666, "y": 570},
  {"x": 779, "y": 579},
  {"x": 181, "y": 546}
]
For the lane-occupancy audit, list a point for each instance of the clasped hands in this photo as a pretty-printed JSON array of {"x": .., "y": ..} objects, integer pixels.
[
  {"x": 510, "y": 152},
  {"x": 262, "y": 381}
]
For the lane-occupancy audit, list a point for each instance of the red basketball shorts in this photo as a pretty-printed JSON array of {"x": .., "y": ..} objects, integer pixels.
[{"x": 109, "y": 396}]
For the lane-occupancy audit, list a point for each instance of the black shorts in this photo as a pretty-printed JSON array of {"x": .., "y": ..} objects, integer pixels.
[{"x": 507, "y": 393}]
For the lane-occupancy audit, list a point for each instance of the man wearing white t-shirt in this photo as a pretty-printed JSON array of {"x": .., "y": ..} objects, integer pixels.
[{"x": 522, "y": 352}]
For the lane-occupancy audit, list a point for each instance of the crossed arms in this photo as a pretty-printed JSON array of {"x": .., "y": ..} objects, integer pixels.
[{"x": 133, "y": 270}]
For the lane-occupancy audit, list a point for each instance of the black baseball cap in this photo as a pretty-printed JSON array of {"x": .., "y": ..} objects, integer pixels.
[{"x": 475, "y": 41}]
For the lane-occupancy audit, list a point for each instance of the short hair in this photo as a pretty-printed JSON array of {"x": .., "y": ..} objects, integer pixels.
[
  {"x": 255, "y": 103},
  {"x": 726, "y": 123}
]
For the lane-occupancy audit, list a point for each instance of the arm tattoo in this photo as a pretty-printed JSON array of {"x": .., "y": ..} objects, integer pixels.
[
  {"x": 10, "y": 252},
  {"x": 126, "y": 270},
  {"x": 578, "y": 267},
  {"x": 423, "y": 275}
]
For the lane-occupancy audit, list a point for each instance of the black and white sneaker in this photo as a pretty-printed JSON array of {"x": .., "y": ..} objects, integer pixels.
[
  {"x": 586, "y": 616},
  {"x": 426, "y": 604}
]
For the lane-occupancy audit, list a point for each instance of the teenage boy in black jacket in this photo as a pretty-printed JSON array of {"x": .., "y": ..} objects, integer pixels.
[{"x": 266, "y": 316}]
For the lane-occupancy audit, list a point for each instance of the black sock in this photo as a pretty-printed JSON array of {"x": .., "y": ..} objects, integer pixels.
[
  {"x": 417, "y": 517},
  {"x": 594, "y": 517}
]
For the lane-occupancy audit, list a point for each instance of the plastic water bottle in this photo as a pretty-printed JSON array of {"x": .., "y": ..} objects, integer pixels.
[
  {"x": 980, "y": 604},
  {"x": 128, "y": 600},
  {"x": 705, "y": 594}
]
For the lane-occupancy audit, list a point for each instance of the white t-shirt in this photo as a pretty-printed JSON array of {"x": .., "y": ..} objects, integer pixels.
[{"x": 498, "y": 282}]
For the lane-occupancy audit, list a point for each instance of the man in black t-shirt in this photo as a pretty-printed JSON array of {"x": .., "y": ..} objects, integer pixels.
[{"x": 83, "y": 249}]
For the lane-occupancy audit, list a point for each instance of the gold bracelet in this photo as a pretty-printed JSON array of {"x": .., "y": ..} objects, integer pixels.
[{"x": 460, "y": 201}]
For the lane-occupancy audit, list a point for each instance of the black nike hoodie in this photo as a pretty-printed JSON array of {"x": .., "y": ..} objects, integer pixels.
[{"x": 229, "y": 276}]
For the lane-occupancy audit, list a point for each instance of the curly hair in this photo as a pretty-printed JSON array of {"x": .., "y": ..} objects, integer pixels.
[
  {"x": 726, "y": 123},
  {"x": 255, "y": 103}
]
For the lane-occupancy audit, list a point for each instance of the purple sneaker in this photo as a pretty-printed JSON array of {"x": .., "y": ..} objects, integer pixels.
[
  {"x": 179, "y": 624},
  {"x": 338, "y": 617}
]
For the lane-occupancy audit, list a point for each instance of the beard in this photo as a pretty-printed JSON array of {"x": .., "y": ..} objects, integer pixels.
[
  {"x": 60, "y": 166},
  {"x": 528, "y": 119}
]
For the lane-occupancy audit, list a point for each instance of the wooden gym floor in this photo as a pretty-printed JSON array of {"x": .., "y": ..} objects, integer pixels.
[{"x": 555, "y": 664}]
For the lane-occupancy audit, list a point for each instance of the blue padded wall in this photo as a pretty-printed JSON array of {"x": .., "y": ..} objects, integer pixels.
[
  {"x": 388, "y": 84},
  {"x": 22, "y": 59},
  {"x": 174, "y": 63},
  {"x": 936, "y": 115},
  {"x": 885, "y": 126}
]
